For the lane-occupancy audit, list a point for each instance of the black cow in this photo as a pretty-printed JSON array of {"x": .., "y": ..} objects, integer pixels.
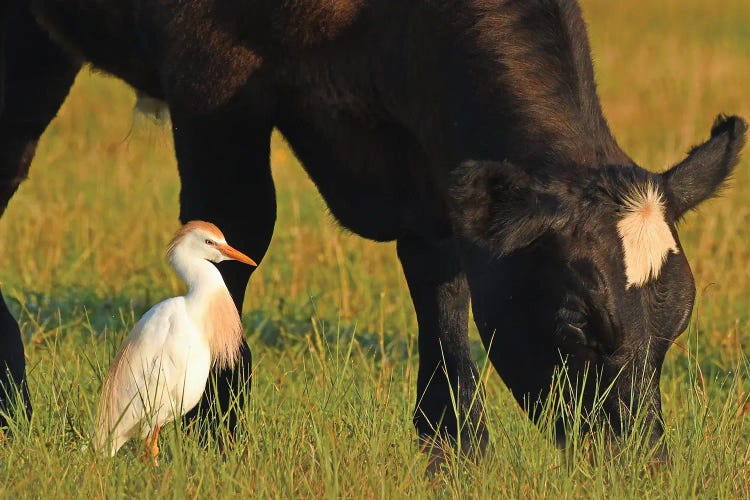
[{"x": 469, "y": 131}]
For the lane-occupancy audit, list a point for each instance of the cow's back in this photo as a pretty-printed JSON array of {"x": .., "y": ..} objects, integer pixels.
[{"x": 481, "y": 79}]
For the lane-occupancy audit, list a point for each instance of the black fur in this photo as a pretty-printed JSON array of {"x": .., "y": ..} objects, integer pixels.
[
  {"x": 701, "y": 174},
  {"x": 38, "y": 76},
  {"x": 503, "y": 207},
  {"x": 470, "y": 131}
]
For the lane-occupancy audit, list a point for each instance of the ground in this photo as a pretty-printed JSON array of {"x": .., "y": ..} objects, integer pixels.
[{"x": 328, "y": 314}]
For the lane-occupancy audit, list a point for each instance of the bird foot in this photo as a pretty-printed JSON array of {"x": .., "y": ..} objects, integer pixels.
[
  {"x": 149, "y": 454},
  {"x": 151, "y": 450}
]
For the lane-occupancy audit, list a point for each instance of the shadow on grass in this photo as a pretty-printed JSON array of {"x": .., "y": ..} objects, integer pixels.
[{"x": 86, "y": 313}]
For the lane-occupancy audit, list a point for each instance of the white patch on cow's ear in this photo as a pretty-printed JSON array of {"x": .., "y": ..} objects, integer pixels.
[{"x": 646, "y": 238}]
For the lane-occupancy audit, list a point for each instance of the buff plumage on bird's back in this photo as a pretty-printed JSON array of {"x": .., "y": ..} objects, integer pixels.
[{"x": 162, "y": 367}]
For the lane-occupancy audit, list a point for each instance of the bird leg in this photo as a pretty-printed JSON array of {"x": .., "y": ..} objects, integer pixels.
[{"x": 151, "y": 449}]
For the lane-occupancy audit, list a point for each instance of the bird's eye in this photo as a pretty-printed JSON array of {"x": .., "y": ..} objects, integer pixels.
[{"x": 210, "y": 243}]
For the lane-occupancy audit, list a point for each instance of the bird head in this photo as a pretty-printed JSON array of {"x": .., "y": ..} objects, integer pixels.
[{"x": 204, "y": 240}]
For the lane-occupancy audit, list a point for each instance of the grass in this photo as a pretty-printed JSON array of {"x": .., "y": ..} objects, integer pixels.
[{"x": 329, "y": 318}]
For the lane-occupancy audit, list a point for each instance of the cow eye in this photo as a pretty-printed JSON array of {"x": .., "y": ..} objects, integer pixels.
[
  {"x": 573, "y": 318},
  {"x": 572, "y": 326}
]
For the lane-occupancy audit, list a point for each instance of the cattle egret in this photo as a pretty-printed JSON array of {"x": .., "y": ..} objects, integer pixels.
[{"x": 162, "y": 367}]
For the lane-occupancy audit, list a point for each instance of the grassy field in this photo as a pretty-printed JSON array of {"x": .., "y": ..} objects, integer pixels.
[{"x": 329, "y": 318}]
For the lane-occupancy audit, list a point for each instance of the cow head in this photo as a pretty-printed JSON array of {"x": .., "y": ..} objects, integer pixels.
[{"x": 585, "y": 268}]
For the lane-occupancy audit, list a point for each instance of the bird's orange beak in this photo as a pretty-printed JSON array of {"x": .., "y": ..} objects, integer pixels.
[{"x": 234, "y": 254}]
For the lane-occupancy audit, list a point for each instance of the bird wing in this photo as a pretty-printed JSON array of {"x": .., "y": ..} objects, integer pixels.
[{"x": 135, "y": 385}]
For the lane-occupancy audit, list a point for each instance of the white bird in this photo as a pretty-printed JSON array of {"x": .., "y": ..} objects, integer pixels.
[{"x": 162, "y": 367}]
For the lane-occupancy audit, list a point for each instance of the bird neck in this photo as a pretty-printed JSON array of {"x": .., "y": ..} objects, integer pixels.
[
  {"x": 211, "y": 307},
  {"x": 201, "y": 276}
]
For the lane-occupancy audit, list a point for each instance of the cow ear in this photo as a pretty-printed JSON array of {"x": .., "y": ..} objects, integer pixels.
[
  {"x": 701, "y": 174},
  {"x": 501, "y": 207}
]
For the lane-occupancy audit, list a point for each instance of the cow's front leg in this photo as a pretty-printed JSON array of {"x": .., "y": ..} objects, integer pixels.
[
  {"x": 449, "y": 407},
  {"x": 36, "y": 76},
  {"x": 226, "y": 179}
]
